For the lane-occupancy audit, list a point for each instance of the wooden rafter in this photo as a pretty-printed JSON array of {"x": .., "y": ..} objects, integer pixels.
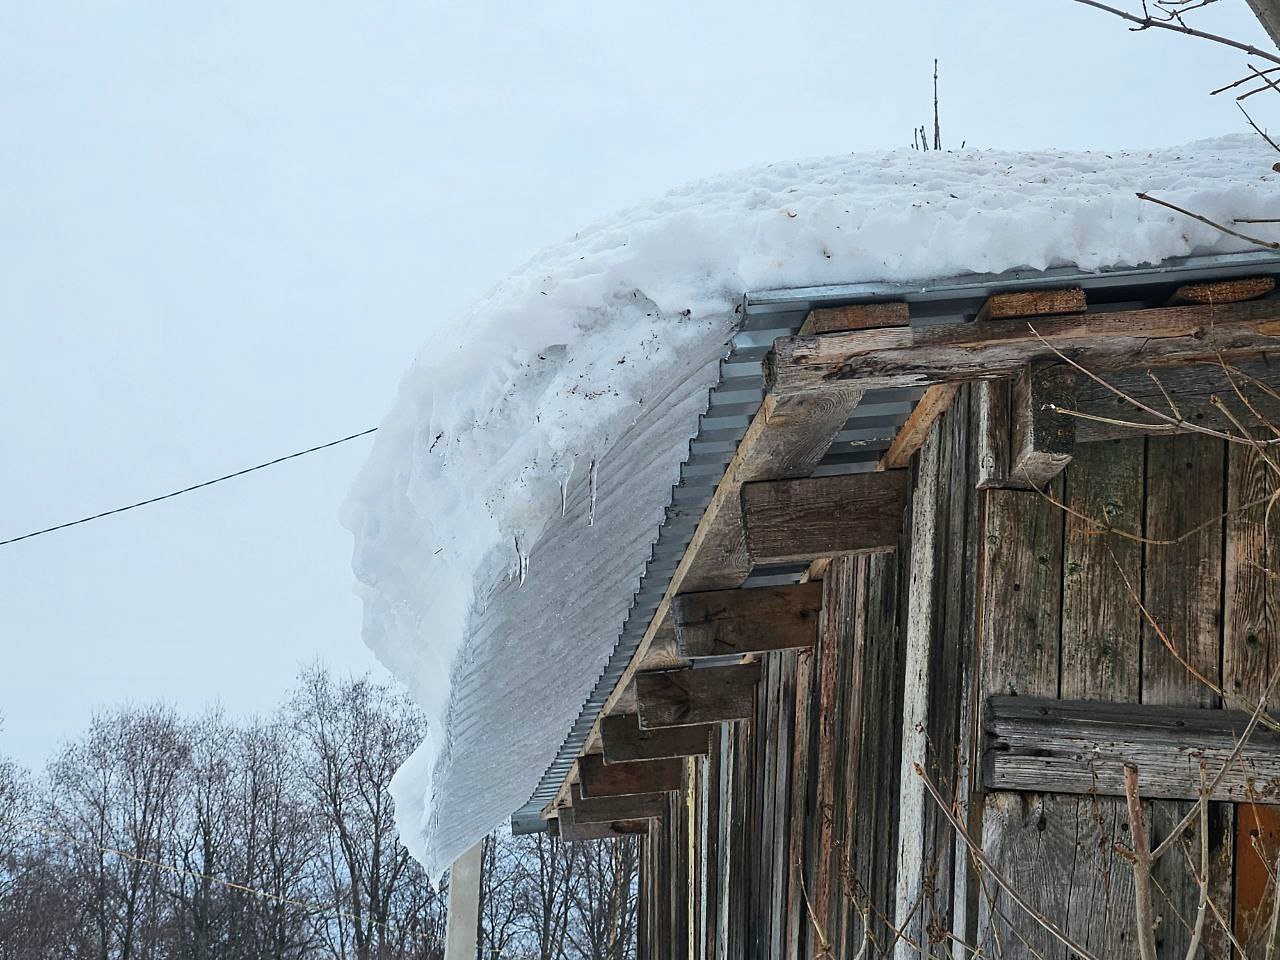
[
  {"x": 1158, "y": 337},
  {"x": 570, "y": 829},
  {"x": 720, "y": 623},
  {"x": 911, "y": 435},
  {"x": 676, "y": 698},
  {"x": 635, "y": 806},
  {"x": 600, "y": 779},
  {"x": 623, "y": 739},
  {"x": 800, "y": 520},
  {"x": 786, "y": 438}
]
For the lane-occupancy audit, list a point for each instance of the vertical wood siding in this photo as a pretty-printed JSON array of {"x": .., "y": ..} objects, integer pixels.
[{"x": 807, "y": 827}]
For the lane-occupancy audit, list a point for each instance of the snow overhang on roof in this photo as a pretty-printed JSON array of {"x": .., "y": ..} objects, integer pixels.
[{"x": 531, "y": 494}]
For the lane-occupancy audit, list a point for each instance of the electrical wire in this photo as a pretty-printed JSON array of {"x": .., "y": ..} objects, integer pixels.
[{"x": 194, "y": 486}]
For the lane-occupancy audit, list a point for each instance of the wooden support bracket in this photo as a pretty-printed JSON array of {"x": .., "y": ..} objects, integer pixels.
[
  {"x": 753, "y": 620},
  {"x": 635, "y": 806},
  {"x": 600, "y": 779},
  {"x": 1043, "y": 440},
  {"x": 790, "y": 521},
  {"x": 1032, "y": 303},
  {"x": 857, "y": 316},
  {"x": 911, "y": 437},
  {"x": 1224, "y": 291},
  {"x": 624, "y": 740},
  {"x": 570, "y": 829},
  {"x": 1081, "y": 746},
  {"x": 675, "y": 698}
]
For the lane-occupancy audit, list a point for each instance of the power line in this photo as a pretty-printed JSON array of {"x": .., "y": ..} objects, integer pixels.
[{"x": 194, "y": 486}]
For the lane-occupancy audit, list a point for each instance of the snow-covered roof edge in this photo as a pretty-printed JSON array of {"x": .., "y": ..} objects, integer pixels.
[{"x": 506, "y": 415}]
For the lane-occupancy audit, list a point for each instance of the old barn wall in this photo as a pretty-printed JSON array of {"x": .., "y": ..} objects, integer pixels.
[{"x": 812, "y": 829}]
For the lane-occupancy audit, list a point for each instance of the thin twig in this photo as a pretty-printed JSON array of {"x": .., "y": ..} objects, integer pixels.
[
  {"x": 1269, "y": 244},
  {"x": 1144, "y": 22},
  {"x": 1202, "y": 905},
  {"x": 1144, "y": 911},
  {"x": 1262, "y": 133}
]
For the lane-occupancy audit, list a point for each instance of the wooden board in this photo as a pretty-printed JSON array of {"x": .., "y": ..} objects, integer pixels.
[
  {"x": 1101, "y": 342},
  {"x": 569, "y": 829},
  {"x": 799, "y": 520},
  {"x": 1224, "y": 291},
  {"x": 753, "y": 620},
  {"x": 635, "y": 806},
  {"x": 1043, "y": 440},
  {"x": 855, "y": 316},
  {"x": 674, "y": 698},
  {"x": 1081, "y": 746},
  {"x": 600, "y": 779},
  {"x": 911, "y": 434},
  {"x": 1032, "y": 303},
  {"x": 624, "y": 740}
]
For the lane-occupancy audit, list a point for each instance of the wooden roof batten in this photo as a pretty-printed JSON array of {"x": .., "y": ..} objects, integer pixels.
[{"x": 815, "y": 381}]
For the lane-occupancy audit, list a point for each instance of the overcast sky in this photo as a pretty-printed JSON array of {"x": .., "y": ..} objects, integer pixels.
[{"x": 226, "y": 227}]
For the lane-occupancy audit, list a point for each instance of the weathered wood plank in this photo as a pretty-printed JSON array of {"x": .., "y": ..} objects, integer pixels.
[
  {"x": 570, "y": 829},
  {"x": 1023, "y": 575},
  {"x": 753, "y": 620},
  {"x": 634, "y": 806},
  {"x": 1081, "y": 746},
  {"x": 839, "y": 605},
  {"x": 623, "y": 739},
  {"x": 1224, "y": 291},
  {"x": 600, "y": 779},
  {"x": 1251, "y": 618},
  {"x": 1023, "y": 835},
  {"x": 1101, "y": 342},
  {"x": 1043, "y": 440},
  {"x": 855, "y": 316},
  {"x": 994, "y": 429},
  {"x": 922, "y": 615},
  {"x": 800, "y": 520},
  {"x": 1182, "y": 593},
  {"x": 675, "y": 698},
  {"x": 795, "y": 914},
  {"x": 912, "y": 434},
  {"x": 1183, "y": 578},
  {"x": 1032, "y": 303},
  {"x": 1101, "y": 623}
]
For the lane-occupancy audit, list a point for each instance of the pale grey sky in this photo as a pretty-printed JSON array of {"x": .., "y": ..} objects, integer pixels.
[{"x": 225, "y": 228}]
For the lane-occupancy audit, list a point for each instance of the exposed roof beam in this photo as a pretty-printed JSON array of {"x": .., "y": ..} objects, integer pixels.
[
  {"x": 1101, "y": 341},
  {"x": 623, "y": 739},
  {"x": 635, "y": 806},
  {"x": 800, "y": 520},
  {"x": 600, "y": 779},
  {"x": 675, "y": 698},
  {"x": 718, "y": 623}
]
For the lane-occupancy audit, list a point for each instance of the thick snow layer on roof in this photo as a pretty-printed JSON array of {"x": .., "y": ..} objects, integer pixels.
[{"x": 504, "y": 517}]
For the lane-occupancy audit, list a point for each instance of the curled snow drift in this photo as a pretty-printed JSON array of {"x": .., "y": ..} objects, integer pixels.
[{"x": 503, "y": 520}]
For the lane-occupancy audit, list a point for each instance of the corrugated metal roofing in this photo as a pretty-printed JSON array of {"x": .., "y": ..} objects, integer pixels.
[{"x": 733, "y": 402}]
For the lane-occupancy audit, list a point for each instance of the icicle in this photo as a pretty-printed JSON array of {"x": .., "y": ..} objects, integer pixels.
[
  {"x": 522, "y": 558},
  {"x": 591, "y": 514}
]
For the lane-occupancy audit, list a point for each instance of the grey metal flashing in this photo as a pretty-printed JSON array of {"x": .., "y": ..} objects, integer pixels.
[{"x": 733, "y": 402}]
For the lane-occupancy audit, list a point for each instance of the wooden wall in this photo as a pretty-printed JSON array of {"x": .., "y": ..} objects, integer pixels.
[{"x": 810, "y": 830}]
